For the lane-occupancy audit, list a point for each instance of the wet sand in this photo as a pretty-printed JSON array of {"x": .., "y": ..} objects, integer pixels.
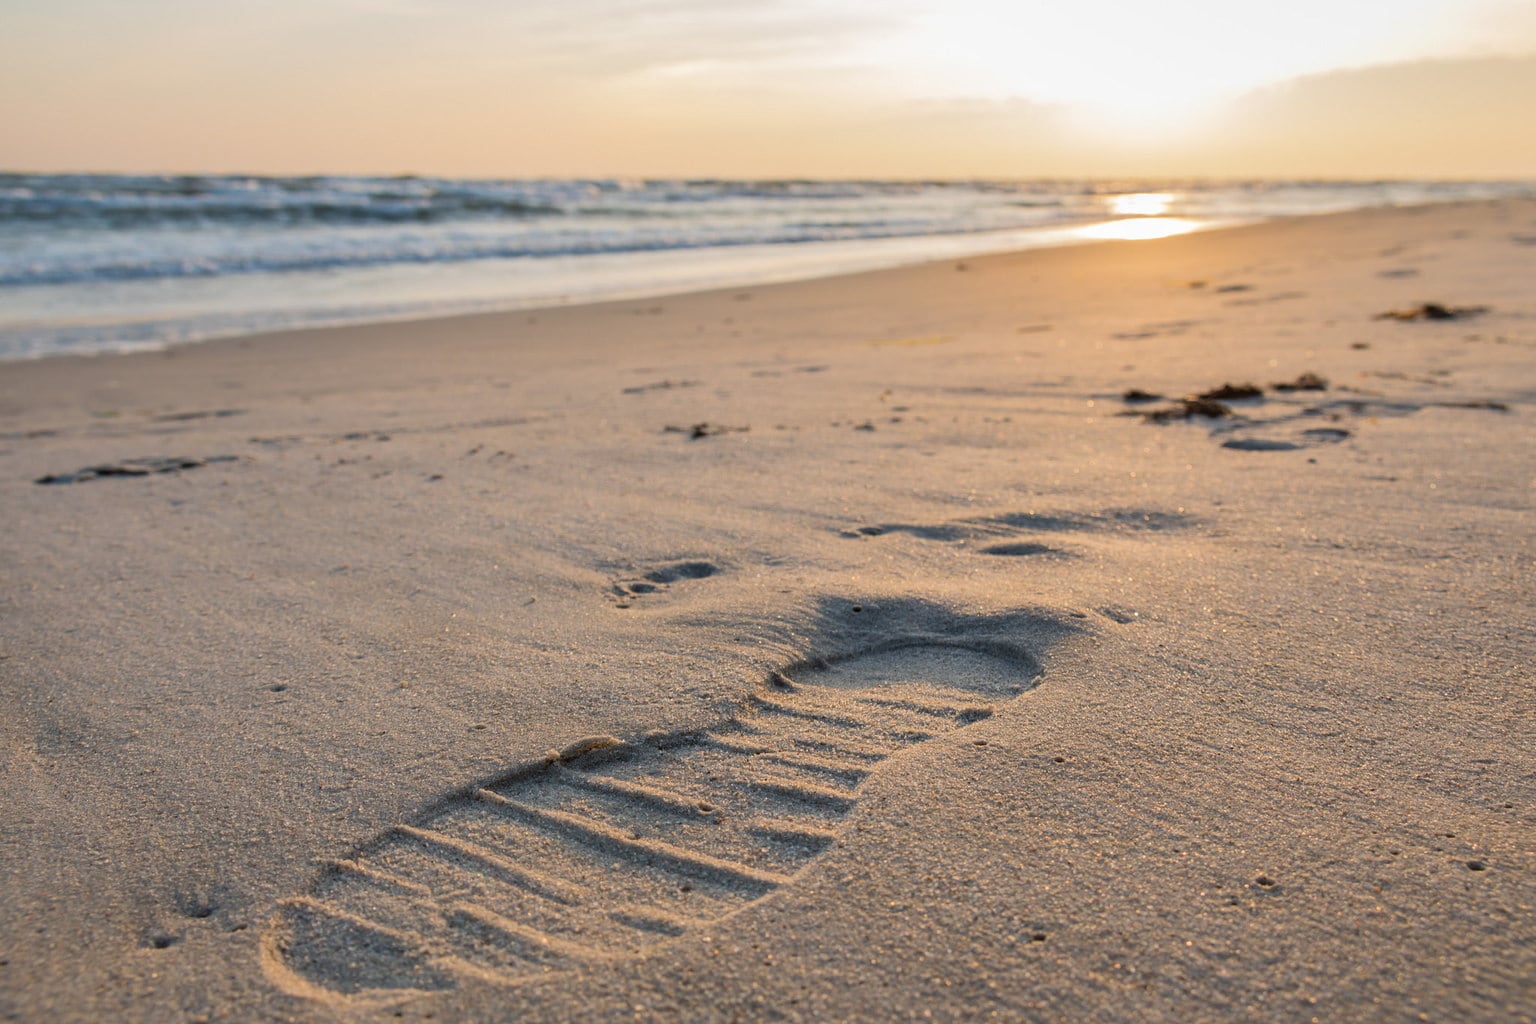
[{"x": 848, "y": 649}]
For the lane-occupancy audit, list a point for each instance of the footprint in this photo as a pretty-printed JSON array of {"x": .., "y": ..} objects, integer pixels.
[
  {"x": 995, "y": 531},
  {"x": 661, "y": 385},
  {"x": 198, "y": 414},
  {"x": 1296, "y": 440},
  {"x": 1291, "y": 430},
  {"x": 147, "y": 466},
  {"x": 1263, "y": 299},
  {"x": 1174, "y": 327},
  {"x": 609, "y": 847},
  {"x": 661, "y": 578},
  {"x": 1260, "y": 444},
  {"x": 1022, "y": 549}
]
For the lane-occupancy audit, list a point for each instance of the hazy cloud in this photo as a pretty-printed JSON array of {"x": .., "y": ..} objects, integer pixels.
[
  {"x": 626, "y": 36},
  {"x": 1446, "y": 118}
]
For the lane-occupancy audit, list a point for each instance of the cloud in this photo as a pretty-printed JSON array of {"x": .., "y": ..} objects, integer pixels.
[
  {"x": 604, "y": 39},
  {"x": 1433, "y": 118},
  {"x": 682, "y": 87}
]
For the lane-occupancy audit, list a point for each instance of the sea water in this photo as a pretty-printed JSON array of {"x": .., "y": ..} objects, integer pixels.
[{"x": 102, "y": 263}]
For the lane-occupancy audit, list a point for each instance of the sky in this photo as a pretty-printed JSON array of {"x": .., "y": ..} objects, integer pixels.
[{"x": 773, "y": 88}]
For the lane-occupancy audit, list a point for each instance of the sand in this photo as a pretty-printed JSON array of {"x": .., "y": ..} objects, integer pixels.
[{"x": 834, "y": 650}]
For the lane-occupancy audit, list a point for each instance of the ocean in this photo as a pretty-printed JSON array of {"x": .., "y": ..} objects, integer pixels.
[{"x": 112, "y": 263}]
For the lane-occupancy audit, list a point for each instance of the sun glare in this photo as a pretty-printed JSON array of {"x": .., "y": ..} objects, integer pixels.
[
  {"x": 1138, "y": 229},
  {"x": 1149, "y": 71},
  {"x": 1141, "y": 204}
]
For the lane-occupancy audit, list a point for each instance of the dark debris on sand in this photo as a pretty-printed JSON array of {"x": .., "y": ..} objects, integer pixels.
[
  {"x": 1136, "y": 396},
  {"x": 1433, "y": 311},
  {"x": 702, "y": 430},
  {"x": 133, "y": 467},
  {"x": 661, "y": 385},
  {"x": 199, "y": 414},
  {"x": 1491, "y": 406},
  {"x": 1186, "y": 409},
  {"x": 1308, "y": 381},
  {"x": 1231, "y": 393}
]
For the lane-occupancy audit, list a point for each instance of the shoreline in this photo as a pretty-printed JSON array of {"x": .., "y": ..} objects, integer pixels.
[
  {"x": 1236, "y": 704},
  {"x": 459, "y": 325},
  {"x": 183, "y": 286},
  {"x": 426, "y": 320},
  {"x": 654, "y": 273}
]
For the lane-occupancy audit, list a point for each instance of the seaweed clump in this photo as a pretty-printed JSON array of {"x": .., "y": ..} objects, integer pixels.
[
  {"x": 1186, "y": 409},
  {"x": 1308, "y": 381},
  {"x": 1432, "y": 311},
  {"x": 1231, "y": 393}
]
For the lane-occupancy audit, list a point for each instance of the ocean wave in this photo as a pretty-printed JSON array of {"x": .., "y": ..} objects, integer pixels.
[
  {"x": 150, "y": 210},
  {"x": 109, "y": 262},
  {"x": 85, "y": 228},
  {"x": 148, "y": 201},
  {"x": 443, "y": 250}
]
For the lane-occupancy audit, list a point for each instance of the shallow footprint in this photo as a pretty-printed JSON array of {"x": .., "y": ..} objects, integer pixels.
[
  {"x": 609, "y": 847},
  {"x": 660, "y": 579}
]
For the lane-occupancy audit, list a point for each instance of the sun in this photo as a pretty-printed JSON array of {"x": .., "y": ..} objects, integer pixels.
[{"x": 1144, "y": 73}]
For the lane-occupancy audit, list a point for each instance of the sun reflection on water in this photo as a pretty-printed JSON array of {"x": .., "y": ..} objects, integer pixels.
[
  {"x": 1136, "y": 229},
  {"x": 1141, "y": 204}
]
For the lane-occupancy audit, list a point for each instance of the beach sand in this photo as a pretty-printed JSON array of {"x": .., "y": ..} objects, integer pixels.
[{"x": 834, "y": 650}]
